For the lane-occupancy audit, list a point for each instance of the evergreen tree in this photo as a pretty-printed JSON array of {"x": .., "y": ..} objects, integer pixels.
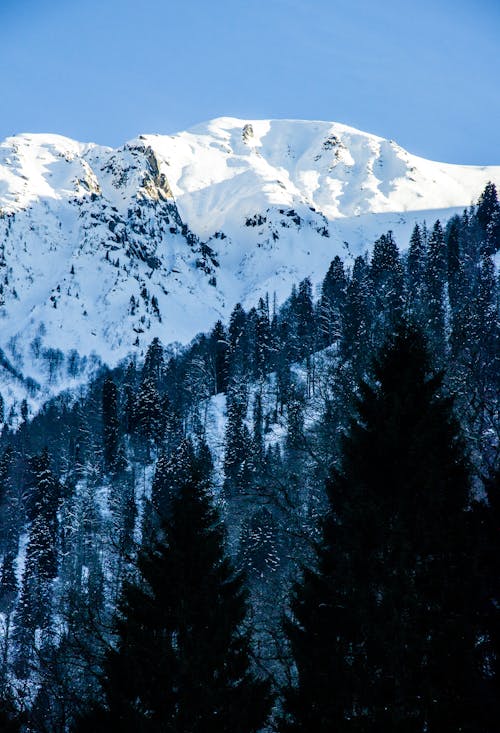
[
  {"x": 238, "y": 444},
  {"x": 149, "y": 415},
  {"x": 415, "y": 274},
  {"x": 154, "y": 363},
  {"x": 35, "y": 602},
  {"x": 304, "y": 313},
  {"x": 452, "y": 239},
  {"x": 331, "y": 303},
  {"x": 181, "y": 661},
  {"x": 40, "y": 570},
  {"x": 239, "y": 346},
  {"x": 129, "y": 388},
  {"x": 8, "y": 595},
  {"x": 262, "y": 340},
  {"x": 43, "y": 493},
  {"x": 435, "y": 279},
  {"x": 488, "y": 217},
  {"x": 387, "y": 285},
  {"x": 220, "y": 347},
  {"x": 416, "y": 258},
  {"x": 8, "y": 503},
  {"x": 384, "y": 630},
  {"x": 258, "y": 432},
  {"x": 110, "y": 423},
  {"x": 356, "y": 321},
  {"x": 8, "y": 584}
]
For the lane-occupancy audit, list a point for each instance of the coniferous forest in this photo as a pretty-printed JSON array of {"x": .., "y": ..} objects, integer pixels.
[{"x": 290, "y": 524}]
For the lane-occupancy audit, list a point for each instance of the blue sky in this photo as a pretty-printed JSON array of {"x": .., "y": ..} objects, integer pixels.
[{"x": 422, "y": 72}]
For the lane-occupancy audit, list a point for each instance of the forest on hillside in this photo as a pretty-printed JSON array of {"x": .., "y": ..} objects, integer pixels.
[{"x": 290, "y": 524}]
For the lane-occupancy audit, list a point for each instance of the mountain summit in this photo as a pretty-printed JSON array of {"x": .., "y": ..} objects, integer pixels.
[{"x": 102, "y": 249}]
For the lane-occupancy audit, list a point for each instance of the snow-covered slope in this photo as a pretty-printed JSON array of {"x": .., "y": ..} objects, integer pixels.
[{"x": 102, "y": 249}]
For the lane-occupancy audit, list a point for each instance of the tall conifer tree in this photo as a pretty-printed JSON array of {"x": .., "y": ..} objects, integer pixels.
[
  {"x": 182, "y": 657},
  {"x": 110, "y": 423},
  {"x": 384, "y": 630}
]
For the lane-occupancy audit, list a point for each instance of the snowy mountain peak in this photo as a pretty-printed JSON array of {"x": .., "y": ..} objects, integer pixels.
[{"x": 102, "y": 249}]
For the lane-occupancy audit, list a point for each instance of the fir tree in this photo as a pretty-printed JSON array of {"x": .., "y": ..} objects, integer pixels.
[
  {"x": 44, "y": 491},
  {"x": 154, "y": 363},
  {"x": 129, "y": 387},
  {"x": 239, "y": 346},
  {"x": 435, "y": 280},
  {"x": 220, "y": 347},
  {"x": 387, "y": 285},
  {"x": 181, "y": 661},
  {"x": 35, "y": 602},
  {"x": 238, "y": 443},
  {"x": 334, "y": 285},
  {"x": 357, "y": 316},
  {"x": 110, "y": 423},
  {"x": 415, "y": 274},
  {"x": 149, "y": 415},
  {"x": 488, "y": 217},
  {"x": 8, "y": 584},
  {"x": 384, "y": 630},
  {"x": 452, "y": 239},
  {"x": 258, "y": 432},
  {"x": 262, "y": 340}
]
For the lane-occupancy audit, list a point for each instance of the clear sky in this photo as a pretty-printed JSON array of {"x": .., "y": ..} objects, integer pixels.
[{"x": 422, "y": 72}]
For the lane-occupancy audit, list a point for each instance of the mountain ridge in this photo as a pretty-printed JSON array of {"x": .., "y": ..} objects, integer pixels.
[{"x": 102, "y": 249}]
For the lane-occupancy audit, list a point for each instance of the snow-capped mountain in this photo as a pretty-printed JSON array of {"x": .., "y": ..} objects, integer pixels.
[{"x": 103, "y": 249}]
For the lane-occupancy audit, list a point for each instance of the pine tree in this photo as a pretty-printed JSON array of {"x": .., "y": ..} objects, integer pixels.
[
  {"x": 35, "y": 602},
  {"x": 8, "y": 503},
  {"x": 220, "y": 347},
  {"x": 239, "y": 346},
  {"x": 8, "y": 583},
  {"x": 110, "y": 423},
  {"x": 149, "y": 415},
  {"x": 43, "y": 492},
  {"x": 332, "y": 300},
  {"x": 452, "y": 239},
  {"x": 258, "y": 433},
  {"x": 129, "y": 387},
  {"x": 387, "y": 285},
  {"x": 238, "y": 443},
  {"x": 357, "y": 316},
  {"x": 415, "y": 274},
  {"x": 154, "y": 363},
  {"x": 488, "y": 217},
  {"x": 384, "y": 629},
  {"x": 304, "y": 312},
  {"x": 181, "y": 661},
  {"x": 262, "y": 340},
  {"x": 435, "y": 280},
  {"x": 8, "y": 595}
]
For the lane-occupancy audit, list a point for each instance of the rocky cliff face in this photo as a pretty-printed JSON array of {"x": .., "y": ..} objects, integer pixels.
[{"x": 101, "y": 249}]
